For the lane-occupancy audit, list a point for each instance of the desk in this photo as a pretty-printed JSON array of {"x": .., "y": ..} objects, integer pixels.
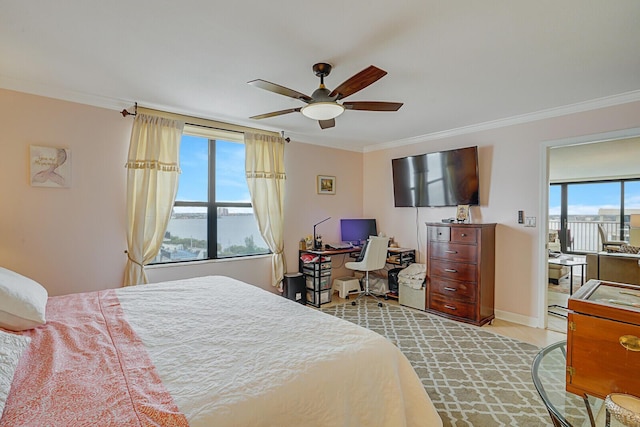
[
  {"x": 329, "y": 252},
  {"x": 318, "y": 274},
  {"x": 548, "y": 372}
]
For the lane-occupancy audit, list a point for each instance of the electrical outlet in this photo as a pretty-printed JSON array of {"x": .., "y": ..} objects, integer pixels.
[{"x": 530, "y": 221}]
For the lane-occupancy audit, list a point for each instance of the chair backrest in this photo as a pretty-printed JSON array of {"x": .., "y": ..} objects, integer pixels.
[
  {"x": 375, "y": 256},
  {"x": 603, "y": 235}
]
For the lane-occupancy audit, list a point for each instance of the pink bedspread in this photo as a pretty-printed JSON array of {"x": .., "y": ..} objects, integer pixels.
[{"x": 87, "y": 367}]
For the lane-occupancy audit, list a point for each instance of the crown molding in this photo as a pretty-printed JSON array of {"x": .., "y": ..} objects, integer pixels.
[
  {"x": 608, "y": 101},
  {"x": 48, "y": 91}
]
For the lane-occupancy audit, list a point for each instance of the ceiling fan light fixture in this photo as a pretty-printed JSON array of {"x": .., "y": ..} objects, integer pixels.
[{"x": 322, "y": 110}]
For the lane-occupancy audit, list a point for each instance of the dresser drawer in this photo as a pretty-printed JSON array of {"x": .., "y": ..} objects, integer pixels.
[
  {"x": 440, "y": 234},
  {"x": 453, "y": 252},
  {"x": 452, "y": 270},
  {"x": 462, "y": 291},
  {"x": 452, "y": 307},
  {"x": 464, "y": 235},
  {"x": 592, "y": 340}
]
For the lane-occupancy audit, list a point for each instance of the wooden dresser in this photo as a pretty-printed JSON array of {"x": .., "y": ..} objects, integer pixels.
[
  {"x": 461, "y": 271},
  {"x": 603, "y": 339}
]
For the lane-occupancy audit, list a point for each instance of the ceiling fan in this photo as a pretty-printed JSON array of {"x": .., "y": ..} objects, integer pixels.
[{"x": 323, "y": 104}]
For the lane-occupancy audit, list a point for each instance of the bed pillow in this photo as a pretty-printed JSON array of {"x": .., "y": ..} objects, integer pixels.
[
  {"x": 22, "y": 301},
  {"x": 11, "y": 348}
]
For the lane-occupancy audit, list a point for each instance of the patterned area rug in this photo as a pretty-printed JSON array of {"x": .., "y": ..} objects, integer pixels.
[{"x": 474, "y": 378}]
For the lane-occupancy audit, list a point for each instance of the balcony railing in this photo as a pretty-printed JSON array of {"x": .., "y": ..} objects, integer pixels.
[{"x": 584, "y": 235}]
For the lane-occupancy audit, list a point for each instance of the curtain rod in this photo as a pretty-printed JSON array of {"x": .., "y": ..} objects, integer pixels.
[{"x": 205, "y": 123}]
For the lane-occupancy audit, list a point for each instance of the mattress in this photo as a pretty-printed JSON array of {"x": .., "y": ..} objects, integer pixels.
[{"x": 211, "y": 351}]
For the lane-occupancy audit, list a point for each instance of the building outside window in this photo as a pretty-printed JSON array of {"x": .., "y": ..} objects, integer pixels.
[{"x": 212, "y": 216}]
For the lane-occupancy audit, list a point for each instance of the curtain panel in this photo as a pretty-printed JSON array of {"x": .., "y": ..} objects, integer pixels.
[
  {"x": 152, "y": 183},
  {"x": 264, "y": 165}
]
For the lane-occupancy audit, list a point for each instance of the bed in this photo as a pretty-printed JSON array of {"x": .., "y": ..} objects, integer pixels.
[{"x": 208, "y": 351}]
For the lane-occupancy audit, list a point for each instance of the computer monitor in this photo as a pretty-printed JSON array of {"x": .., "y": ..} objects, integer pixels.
[{"x": 356, "y": 231}]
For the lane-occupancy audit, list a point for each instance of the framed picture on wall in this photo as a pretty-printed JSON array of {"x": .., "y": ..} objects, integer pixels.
[
  {"x": 326, "y": 184},
  {"x": 49, "y": 166}
]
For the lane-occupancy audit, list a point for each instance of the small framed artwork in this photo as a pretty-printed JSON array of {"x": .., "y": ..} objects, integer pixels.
[
  {"x": 462, "y": 213},
  {"x": 49, "y": 167},
  {"x": 326, "y": 184}
]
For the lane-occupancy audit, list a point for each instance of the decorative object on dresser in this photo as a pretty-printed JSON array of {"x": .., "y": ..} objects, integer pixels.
[
  {"x": 462, "y": 213},
  {"x": 604, "y": 326},
  {"x": 461, "y": 271}
]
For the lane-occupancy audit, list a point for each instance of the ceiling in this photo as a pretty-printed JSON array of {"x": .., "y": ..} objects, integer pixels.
[{"x": 456, "y": 65}]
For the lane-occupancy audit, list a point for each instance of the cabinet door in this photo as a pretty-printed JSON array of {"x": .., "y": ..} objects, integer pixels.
[{"x": 601, "y": 364}]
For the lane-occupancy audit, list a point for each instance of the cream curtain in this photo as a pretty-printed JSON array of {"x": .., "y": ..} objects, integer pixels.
[
  {"x": 264, "y": 164},
  {"x": 152, "y": 183}
]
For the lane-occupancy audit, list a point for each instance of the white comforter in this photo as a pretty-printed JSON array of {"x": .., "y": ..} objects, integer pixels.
[{"x": 232, "y": 354}]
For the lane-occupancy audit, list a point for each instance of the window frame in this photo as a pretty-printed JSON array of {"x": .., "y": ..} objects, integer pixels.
[{"x": 211, "y": 205}]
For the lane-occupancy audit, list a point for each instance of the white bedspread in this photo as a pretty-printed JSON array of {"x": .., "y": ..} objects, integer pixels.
[{"x": 232, "y": 354}]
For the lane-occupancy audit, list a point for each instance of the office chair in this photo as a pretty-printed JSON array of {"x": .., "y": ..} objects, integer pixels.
[
  {"x": 374, "y": 258},
  {"x": 609, "y": 244}
]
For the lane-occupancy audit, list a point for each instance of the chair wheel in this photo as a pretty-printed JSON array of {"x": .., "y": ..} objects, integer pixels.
[
  {"x": 353, "y": 303},
  {"x": 346, "y": 297},
  {"x": 379, "y": 304}
]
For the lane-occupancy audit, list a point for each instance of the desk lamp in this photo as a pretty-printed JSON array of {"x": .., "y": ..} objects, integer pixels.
[{"x": 315, "y": 240}]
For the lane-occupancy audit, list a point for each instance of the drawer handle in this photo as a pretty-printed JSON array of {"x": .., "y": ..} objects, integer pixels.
[
  {"x": 447, "y": 288},
  {"x": 463, "y": 234},
  {"x": 630, "y": 342},
  {"x": 450, "y": 270},
  {"x": 450, "y": 252},
  {"x": 450, "y": 307}
]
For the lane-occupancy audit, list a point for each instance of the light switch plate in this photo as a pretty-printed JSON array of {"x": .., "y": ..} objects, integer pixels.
[{"x": 530, "y": 221}]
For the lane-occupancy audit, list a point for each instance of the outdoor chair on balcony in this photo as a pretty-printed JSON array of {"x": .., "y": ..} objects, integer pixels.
[{"x": 609, "y": 245}]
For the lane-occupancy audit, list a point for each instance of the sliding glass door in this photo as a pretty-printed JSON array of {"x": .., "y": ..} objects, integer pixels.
[{"x": 577, "y": 210}]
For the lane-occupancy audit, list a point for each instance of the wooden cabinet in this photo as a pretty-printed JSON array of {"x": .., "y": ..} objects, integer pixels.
[
  {"x": 461, "y": 271},
  {"x": 603, "y": 339}
]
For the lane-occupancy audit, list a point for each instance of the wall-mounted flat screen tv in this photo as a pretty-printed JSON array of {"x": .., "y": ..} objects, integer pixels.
[{"x": 444, "y": 178}]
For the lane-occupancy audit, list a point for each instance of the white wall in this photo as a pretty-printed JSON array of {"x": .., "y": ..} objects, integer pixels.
[{"x": 510, "y": 173}]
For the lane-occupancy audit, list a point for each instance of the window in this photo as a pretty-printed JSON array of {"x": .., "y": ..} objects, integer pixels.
[
  {"x": 212, "y": 216},
  {"x": 576, "y": 210}
]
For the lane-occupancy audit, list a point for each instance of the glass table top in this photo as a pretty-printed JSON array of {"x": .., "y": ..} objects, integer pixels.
[{"x": 570, "y": 410}]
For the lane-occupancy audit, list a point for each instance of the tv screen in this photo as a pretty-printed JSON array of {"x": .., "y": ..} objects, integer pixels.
[
  {"x": 445, "y": 178},
  {"x": 357, "y": 230}
]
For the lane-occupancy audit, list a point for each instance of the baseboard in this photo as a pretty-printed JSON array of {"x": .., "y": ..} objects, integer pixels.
[{"x": 517, "y": 318}]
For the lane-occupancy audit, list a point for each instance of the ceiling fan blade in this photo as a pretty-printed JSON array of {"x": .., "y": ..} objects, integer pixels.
[
  {"x": 326, "y": 124},
  {"x": 276, "y": 113},
  {"x": 280, "y": 90},
  {"x": 372, "y": 105},
  {"x": 364, "y": 78}
]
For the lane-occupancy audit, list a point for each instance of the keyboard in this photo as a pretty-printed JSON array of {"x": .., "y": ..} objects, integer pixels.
[{"x": 339, "y": 245}]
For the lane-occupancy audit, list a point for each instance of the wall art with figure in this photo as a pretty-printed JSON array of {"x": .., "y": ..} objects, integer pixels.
[{"x": 50, "y": 166}]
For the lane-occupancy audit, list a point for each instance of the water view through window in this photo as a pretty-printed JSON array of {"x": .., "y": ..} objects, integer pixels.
[{"x": 222, "y": 193}]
